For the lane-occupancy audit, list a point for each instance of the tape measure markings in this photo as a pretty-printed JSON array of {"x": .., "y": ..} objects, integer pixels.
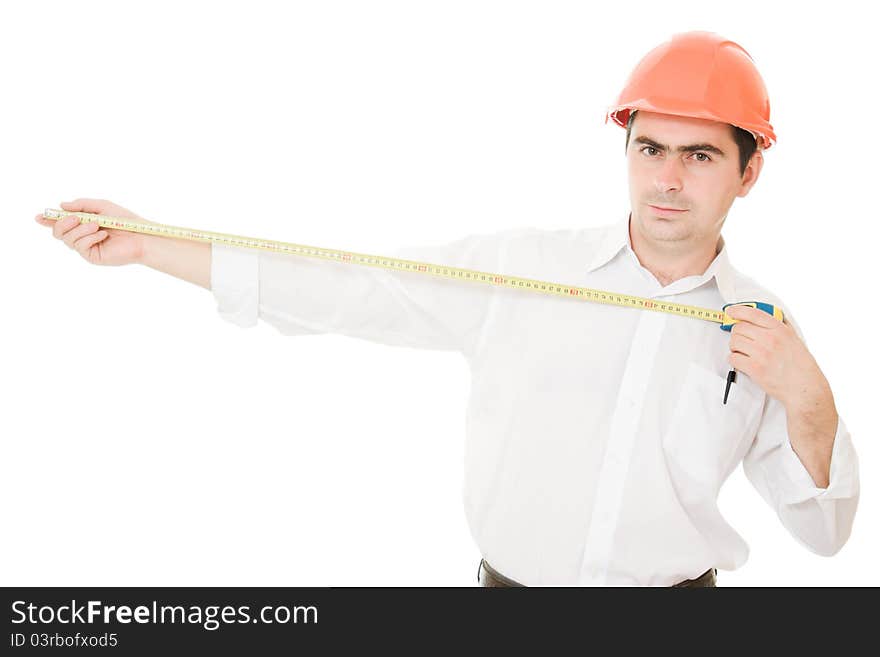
[{"x": 414, "y": 266}]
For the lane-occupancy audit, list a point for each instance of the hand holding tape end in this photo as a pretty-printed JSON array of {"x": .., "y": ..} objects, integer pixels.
[{"x": 768, "y": 308}]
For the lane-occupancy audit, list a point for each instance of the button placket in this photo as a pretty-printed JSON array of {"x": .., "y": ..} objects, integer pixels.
[{"x": 618, "y": 450}]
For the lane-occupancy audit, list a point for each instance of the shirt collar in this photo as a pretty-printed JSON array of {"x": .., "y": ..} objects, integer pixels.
[{"x": 616, "y": 237}]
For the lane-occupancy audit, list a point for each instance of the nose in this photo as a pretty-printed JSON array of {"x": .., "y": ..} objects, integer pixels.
[{"x": 669, "y": 177}]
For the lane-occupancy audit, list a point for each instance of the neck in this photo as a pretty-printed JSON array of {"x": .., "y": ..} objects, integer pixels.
[{"x": 669, "y": 265}]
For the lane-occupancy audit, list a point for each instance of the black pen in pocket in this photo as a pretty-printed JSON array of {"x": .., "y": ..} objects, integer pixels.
[{"x": 731, "y": 378}]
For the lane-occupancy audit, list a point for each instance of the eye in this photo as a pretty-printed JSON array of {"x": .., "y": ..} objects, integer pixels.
[
  {"x": 642, "y": 149},
  {"x": 708, "y": 159}
]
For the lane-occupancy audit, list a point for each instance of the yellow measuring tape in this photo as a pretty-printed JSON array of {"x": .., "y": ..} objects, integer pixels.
[{"x": 397, "y": 264}]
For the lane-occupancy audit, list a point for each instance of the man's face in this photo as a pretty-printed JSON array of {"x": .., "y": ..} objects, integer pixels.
[{"x": 699, "y": 181}]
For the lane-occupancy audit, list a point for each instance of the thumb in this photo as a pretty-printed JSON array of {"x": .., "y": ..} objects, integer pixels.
[{"x": 92, "y": 205}]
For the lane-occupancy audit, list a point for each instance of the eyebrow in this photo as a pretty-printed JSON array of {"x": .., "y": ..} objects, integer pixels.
[{"x": 681, "y": 149}]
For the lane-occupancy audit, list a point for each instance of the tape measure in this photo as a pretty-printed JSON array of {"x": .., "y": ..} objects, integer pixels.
[{"x": 431, "y": 269}]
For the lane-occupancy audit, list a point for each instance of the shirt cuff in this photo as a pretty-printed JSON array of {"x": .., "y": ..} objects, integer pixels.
[
  {"x": 235, "y": 283},
  {"x": 843, "y": 479}
]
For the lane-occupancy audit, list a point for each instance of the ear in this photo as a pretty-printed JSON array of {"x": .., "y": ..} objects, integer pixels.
[{"x": 753, "y": 170}]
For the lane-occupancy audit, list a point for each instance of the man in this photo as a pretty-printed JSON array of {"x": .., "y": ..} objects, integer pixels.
[{"x": 597, "y": 440}]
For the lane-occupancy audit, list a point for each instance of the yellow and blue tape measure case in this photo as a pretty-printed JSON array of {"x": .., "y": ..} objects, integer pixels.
[{"x": 768, "y": 308}]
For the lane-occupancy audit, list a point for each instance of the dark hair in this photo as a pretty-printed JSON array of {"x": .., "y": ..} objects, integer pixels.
[{"x": 744, "y": 139}]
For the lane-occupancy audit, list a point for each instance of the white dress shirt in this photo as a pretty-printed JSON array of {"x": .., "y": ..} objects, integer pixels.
[{"x": 596, "y": 440}]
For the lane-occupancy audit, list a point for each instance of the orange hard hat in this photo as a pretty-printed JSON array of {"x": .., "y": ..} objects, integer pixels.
[{"x": 700, "y": 75}]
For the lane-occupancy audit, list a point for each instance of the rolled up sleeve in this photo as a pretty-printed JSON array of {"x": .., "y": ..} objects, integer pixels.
[
  {"x": 821, "y": 519},
  {"x": 304, "y": 295}
]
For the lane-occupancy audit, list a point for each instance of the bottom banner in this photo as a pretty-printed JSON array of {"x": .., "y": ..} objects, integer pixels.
[{"x": 147, "y": 620}]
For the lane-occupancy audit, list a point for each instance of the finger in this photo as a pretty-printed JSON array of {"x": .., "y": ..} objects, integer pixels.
[
  {"x": 65, "y": 224},
  {"x": 741, "y": 345},
  {"x": 73, "y": 235},
  {"x": 747, "y": 330},
  {"x": 740, "y": 362},
  {"x": 83, "y": 244},
  {"x": 752, "y": 315},
  {"x": 83, "y": 205},
  {"x": 93, "y": 205}
]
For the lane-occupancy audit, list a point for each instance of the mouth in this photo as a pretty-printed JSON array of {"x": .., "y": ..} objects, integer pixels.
[{"x": 666, "y": 211}]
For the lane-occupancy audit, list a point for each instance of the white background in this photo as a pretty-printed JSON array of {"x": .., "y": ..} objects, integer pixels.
[{"x": 145, "y": 441}]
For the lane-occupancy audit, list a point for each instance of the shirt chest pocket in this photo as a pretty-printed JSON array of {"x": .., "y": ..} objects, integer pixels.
[{"x": 703, "y": 433}]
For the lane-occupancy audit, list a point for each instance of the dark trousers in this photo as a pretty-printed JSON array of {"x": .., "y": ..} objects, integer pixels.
[{"x": 488, "y": 576}]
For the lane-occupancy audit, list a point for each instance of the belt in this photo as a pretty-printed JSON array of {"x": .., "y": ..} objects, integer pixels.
[{"x": 488, "y": 576}]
